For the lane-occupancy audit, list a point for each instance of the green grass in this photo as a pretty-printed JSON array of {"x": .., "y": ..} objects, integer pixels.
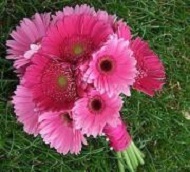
[{"x": 157, "y": 124}]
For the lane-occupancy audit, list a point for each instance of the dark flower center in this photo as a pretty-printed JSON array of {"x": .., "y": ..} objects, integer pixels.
[
  {"x": 96, "y": 105},
  {"x": 67, "y": 120},
  {"x": 106, "y": 65}
]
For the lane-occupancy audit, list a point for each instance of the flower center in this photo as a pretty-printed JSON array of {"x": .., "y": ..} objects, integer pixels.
[
  {"x": 62, "y": 81},
  {"x": 106, "y": 65},
  {"x": 96, "y": 105},
  {"x": 67, "y": 120},
  {"x": 58, "y": 86},
  {"x": 78, "y": 49}
]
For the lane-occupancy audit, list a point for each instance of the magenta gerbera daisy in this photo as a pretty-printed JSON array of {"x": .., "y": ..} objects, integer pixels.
[
  {"x": 56, "y": 129},
  {"x": 84, "y": 9},
  {"x": 112, "y": 69},
  {"x": 78, "y": 9},
  {"x": 27, "y": 39},
  {"x": 151, "y": 74},
  {"x": 74, "y": 38},
  {"x": 92, "y": 113},
  {"x": 26, "y": 110},
  {"x": 52, "y": 83}
]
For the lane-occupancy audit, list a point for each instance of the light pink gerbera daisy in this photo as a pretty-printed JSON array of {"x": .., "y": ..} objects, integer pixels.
[
  {"x": 26, "y": 110},
  {"x": 151, "y": 74},
  {"x": 75, "y": 38},
  {"x": 52, "y": 83},
  {"x": 27, "y": 39},
  {"x": 56, "y": 129},
  {"x": 85, "y": 10},
  {"x": 92, "y": 113},
  {"x": 112, "y": 69}
]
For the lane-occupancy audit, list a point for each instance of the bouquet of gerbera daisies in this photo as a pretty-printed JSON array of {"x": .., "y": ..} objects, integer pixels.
[{"x": 73, "y": 67}]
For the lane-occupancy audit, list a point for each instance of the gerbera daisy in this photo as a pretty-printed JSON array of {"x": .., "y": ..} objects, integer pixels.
[
  {"x": 112, "y": 69},
  {"x": 27, "y": 39},
  {"x": 52, "y": 83},
  {"x": 93, "y": 112},
  {"x": 86, "y": 10},
  {"x": 56, "y": 129},
  {"x": 151, "y": 74},
  {"x": 26, "y": 110},
  {"x": 75, "y": 38},
  {"x": 78, "y": 9}
]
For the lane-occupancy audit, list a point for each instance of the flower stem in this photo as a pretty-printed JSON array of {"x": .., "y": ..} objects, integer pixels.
[
  {"x": 132, "y": 157},
  {"x": 138, "y": 154},
  {"x": 128, "y": 161},
  {"x": 120, "y": 165}
]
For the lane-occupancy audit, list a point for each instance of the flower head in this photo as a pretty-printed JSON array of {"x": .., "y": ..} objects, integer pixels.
[
  {"x": 27, "y": 39},
  {"x": 77, "y": 10},
  {"x": 52, "y": 83},
  {"x": 84, "y": 10},
  {"x": 75, "y": 38},
  {"x": 26, "y": 110},
  {"x": 56, "y": 129},
  {"x": 112, "y": 69},
  {"x": 151, "y": 74},
  {"x": 92, "y": 113}
]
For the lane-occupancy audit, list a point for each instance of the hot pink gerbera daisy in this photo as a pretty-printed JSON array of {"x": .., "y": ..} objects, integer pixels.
[
  {"x": 78, "y": 9},
  {"x": 56, "y": 129},
  {"x": 26, "y": 110},
  {"x": 27, "y": 39},
  {"x": 87, "y": 10},
  {"x": 74, "y": 38},
  {"x": 151, "y": 72},
  {"x": 112, "y": 69},
  {"x": 92, "y": 113},
  {"x": 52, "y": 83}
]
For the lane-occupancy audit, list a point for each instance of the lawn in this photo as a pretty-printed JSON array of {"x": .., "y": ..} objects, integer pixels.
[{"x": 160, "y": 126}]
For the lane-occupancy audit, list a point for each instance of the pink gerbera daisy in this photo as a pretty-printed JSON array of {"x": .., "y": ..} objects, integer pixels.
[
  {"x": 56, "y": 129},
  {"x": 52, "y": 83},
  {"x": 86, "y": 10},
  {"x": 74, "y": 38},
  {"x": 151, "y": 72},
  {"x": 92, "y": 113},
  {"x": 78, "y": 9},
  {"x": 112, "y": 69},
  {"x": 26, "y": 110},
  {"x": 27, "y": 39}
]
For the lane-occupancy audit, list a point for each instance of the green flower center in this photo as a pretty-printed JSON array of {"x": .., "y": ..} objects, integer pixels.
[
  {"x": 78, "y": 49},
  {"x": 62, "y": 81}
]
